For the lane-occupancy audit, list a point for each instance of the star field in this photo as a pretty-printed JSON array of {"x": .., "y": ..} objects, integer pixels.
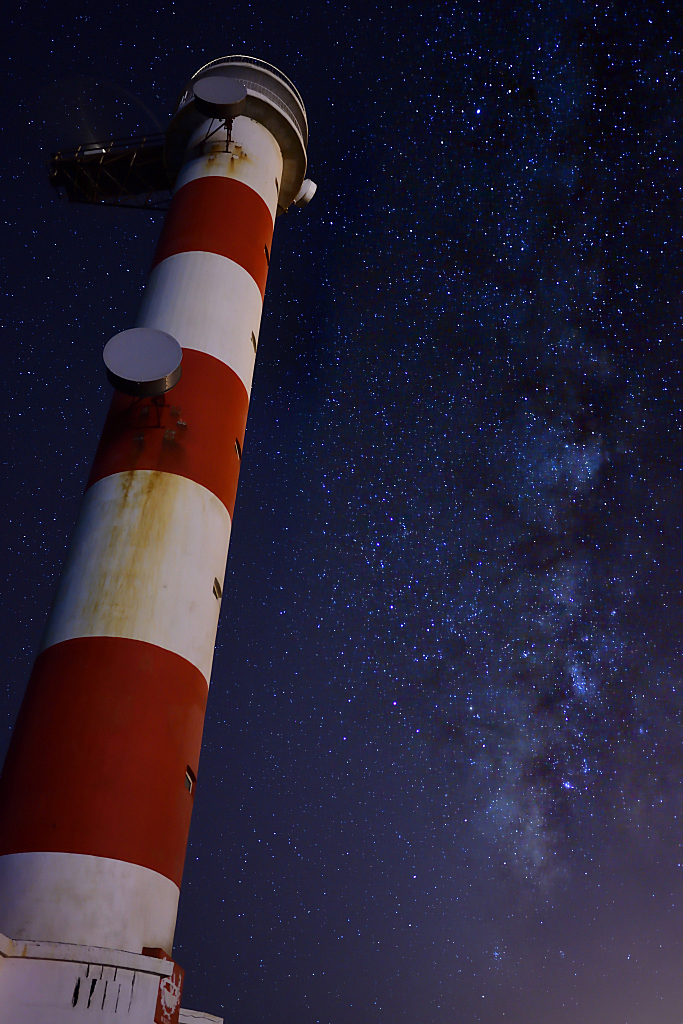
[{"x": 441, "y": 776}]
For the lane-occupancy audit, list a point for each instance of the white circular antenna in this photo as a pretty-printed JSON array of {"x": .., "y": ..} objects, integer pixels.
[
  {"x": 306, "y": 192},
  {"x": 143, "y": 362},
  {"x": 219, "y": 96}
]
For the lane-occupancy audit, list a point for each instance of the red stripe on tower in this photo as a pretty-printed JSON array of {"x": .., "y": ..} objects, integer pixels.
[
  {"x": 196, "y": 431},
  {"x": 223, "y": 216},
  {"x": 118, "y": 723}
]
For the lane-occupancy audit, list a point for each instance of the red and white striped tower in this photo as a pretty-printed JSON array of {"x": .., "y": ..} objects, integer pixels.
[{"x": 97, "y": 790}]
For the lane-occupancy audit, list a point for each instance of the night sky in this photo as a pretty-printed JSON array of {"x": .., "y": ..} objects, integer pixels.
[{"x": 441, "y": 778}]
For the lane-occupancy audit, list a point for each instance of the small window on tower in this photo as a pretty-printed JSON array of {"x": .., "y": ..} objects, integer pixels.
[
  {"x": 217, "y": 589},
  {"x": 265, "y": 247},
  {"x": 238, "y": 449},
  {"x": 253, "y": 340},
  {"x": 190, "y": 780}
]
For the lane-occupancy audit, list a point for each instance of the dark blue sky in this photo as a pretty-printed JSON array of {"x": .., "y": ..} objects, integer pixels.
[{"x": 441, "y": 775}]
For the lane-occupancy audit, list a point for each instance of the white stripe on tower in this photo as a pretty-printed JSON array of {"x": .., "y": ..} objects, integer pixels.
[
  {"x": 118, "y": 691},
  {"x": 226, "y": 326},
  {"x": 141, "y": 538},
  {"x": 134, "y": 907},
  {"x": 254, "y": 159}
]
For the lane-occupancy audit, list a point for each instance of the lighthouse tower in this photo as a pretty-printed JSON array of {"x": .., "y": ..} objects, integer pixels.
[{"x": 97, "y": 790}]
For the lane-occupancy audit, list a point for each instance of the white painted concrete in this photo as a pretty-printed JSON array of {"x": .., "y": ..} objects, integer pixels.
[
  {"x": 197, "y": 1017},
  {"x": 87, "y": 901},
  {"x": 56, "y": 983},
  {"x": 52, "y": 983},
  {"x": 43, "y": 992},
  {"x": 207, "y": 303},
  {"x": 142, "y": 563}
]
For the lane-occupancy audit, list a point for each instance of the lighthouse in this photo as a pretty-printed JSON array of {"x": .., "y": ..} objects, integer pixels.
[{"x": 97, "y": 789}]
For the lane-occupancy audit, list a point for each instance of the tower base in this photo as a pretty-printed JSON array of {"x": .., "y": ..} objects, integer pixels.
[{"x": 58, "y": 983}]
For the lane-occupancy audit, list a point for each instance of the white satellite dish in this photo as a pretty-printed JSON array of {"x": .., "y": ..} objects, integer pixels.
[
  {"x": 220, "y": 97},
  {"x": 143, "y": 362}
]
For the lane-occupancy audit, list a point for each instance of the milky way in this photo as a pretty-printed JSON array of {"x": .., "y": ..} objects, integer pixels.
[{"x": 499, "y": 448}]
